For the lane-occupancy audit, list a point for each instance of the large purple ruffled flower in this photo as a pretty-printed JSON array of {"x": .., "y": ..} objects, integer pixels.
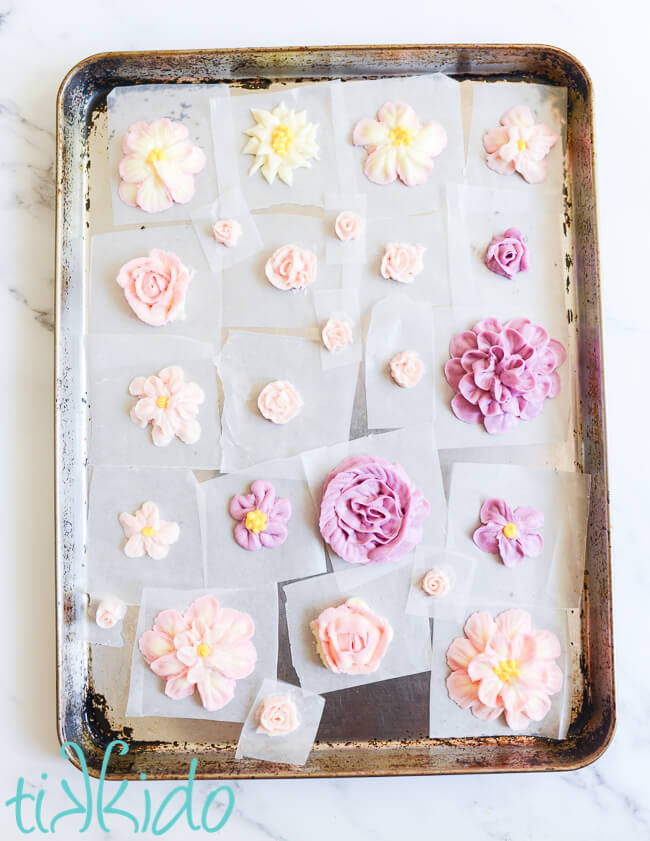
[
  {"x": 514, "y": 535},
  {"x": 371, "y": 511},
  {"x": 503, "y": 372},
  {"x": 262, "y": 517}
]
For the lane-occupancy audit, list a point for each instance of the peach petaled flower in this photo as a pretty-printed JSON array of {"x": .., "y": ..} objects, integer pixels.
[
  {"x": 435, "y": 583},
  {"x": 281, "y": 140},
  {"x": 514, "y": 535},
  {"x": 348, "y": 225},
  {"x": 206, "y": 648},
  {"x": 146, "y": 533},
  {"x": 520, "y": 145},
  {"x": 261, "y": 517},
  {"x": 279, "y": 402},
  {"x": 507, "y": 253},
  {"x": 398, "y": 146},
  {"x": 277, "y": 716},
  {"x": 402, "y": 262},
  {"x": 158, "y": 166},
  {"x": 169, "y": 404},
  {"x": 350, "y": 638},
  {"x": 504, "y": 665},
  {"x": 290, "y": 267},
  {"x": 155, "y": 286},
  {"x": 110, "y": 611},
  {"x": 406, "y": 368},
  {"x": 227, "y": 232},
  {"x": 337, "y": 333}
]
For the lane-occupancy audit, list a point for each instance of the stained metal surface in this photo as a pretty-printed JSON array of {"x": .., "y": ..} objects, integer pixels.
[{"x": 345, "y": 746}]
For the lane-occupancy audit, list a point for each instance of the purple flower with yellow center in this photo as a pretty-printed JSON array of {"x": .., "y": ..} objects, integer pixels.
[
  {"x": 261, "y": 516},
  {"x": 512, "y": 534}
]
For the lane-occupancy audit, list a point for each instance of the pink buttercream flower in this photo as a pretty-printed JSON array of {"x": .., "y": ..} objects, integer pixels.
[
  {"x": 435, "y": 583},
  {"x": 277, "y": 716},
  {"x": 519, "y": 145},
  {"x": 350, "y": 638},
  {"x": 290, "y": 267},
  {"x": 406, "y": 368},
  {"x": 279, "y": 401},
  {"x": 402, "y": 262},
  {"x": 227, "y": 232},
  {"x": 262, "y": 517},
  {"x": 371, "y": 511},
  {"x": 348, "y": 225},
  {"x": 504, "y": 665},
  {"x": 206, "y": 648},
  {"x": 398, "y": 146},
  {"x": 110, "y": 611},
  {"x": 146, "y": 533},
  {"x": 514, "y": 535},
  {"x": 169, "y": 404},
  {"x": 337, "y": 333},
  {"x": 502, "y": 372},
  {"x": 155, "y": 286},
  {"x": 507, "y": 254},
  {"x": 158, "y": 166}
]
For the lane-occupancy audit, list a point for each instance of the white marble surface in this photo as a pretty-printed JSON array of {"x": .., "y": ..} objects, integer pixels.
[{"x": 39, "y": 42}]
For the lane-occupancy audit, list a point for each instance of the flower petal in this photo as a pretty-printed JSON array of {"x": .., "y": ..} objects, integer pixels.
[
  {"x": 381, "y": 165},
  {"x": 369, "y": 133},
  {"x": 496, "y": 511},
  {"x": 154, "y": 644},
  {"x": 479, "y": 628},
  {"x": 462, "y": 690},
  {"x": 205, "y": 609},
  {"x": 179, "y": 687},
  {"x": 234, "y": 660},
  {"x": 215, "y": 690},
  {"x": 170, "y": 622},
  {"x": 513, "y": 622},
  {"x": 460, "y": 653},
  {"x": 153, "y": 196},
  {"x": 167, "y": 666}
]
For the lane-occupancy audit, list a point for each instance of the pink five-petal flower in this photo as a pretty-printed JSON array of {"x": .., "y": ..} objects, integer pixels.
[
  {"x": 261, "y": 516},
  {"x": 519, "y": 145},
  {"x": 146, "y": 533},
  {"x": 512, "y": 534},
  {"x": 169, "y": 404}
]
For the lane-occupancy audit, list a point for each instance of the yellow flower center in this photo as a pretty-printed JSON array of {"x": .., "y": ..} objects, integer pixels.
[
  {"x": 281, "y": 140},
  {"x": 400, "y": 136},
  {"x": 203, "y": 650},
  {"x": 156, "y": 154},
  {"x": 162, "y": 402},
  {"x": 256, "y": 521},
  {"x": 510, "y": 530},
  {"x": 147, "y": 531},
  {"x": 521, "y": 145},
  {"x": 506, "y": 670}
]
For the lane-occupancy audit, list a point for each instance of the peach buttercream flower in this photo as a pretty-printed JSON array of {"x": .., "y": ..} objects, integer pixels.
[
  {"x": 520, "y": 145},
  {"x": 146, "y": 533},
  {"x": 277, "y": 716},
  {"x": 348, "y": 225},
  {"x": 435, "y": 583},
  {"x": 402, "y": 262},
  {"x": 337, "y": 333},
  {"x": 227, "y": 232},
  {"x": 279, "y": 401},
  {"x": 158, "y": 166},
  {"x": 110, "y": 611},
  {"x": 155, "y": 286},
  {"x": 350, "y": 638},
  {"x": 406, "y": 368},
  {"x": 169, "y": 404},
  {"x": 290, "y": 267}
]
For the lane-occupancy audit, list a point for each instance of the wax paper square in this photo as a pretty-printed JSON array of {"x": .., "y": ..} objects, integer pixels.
[
  {"x": 352, "y": 250},
  {"x": 229, "y": 205},
  {"x": 459, "y": 572},
  {"x": 340, "y": 304}
]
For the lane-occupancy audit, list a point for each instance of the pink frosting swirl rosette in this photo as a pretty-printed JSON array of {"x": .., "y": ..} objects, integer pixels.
[
  {"x": 277, "y": 716},
  {"x": 290, "y": 267},
  {"x": 435, "y": 583},
  {"x": 261, "y": 516},
  {"x": 110, "y": 611},
  {"x": 507, "y": 253},
  {"x": 371, "y": 511},
  {"x": 351, "y": 639},
  {"x": 227, "y": 232},
  {"x": 348, "y": 225},
  {"x": 155, "y": 286},
  {"x": 503, "y": 372},
  {"x": 279, "y": 401},
  {"x": 336, "y": 334},
  {"x": 402, "y": 262},
  {"x": 406, "y": 368}
]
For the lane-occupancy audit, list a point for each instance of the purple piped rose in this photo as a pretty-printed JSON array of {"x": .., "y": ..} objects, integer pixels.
[
  {"x": 514, "y": 535},
  {"x": 262, "y": 517},
  {"x": 371, "y": 511},
  {"x": 502, "y": 373},
  {"x": 507, "y": 254}
]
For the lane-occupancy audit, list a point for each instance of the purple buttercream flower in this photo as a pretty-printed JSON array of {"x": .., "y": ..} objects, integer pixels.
[
  {"x": 262, "y": 517},
  {"x": 507, "y": 254},
  {"x": 503, "y": 372},
  {"x": 514, "y": 535},
  {"x": 371, "y": 511}
]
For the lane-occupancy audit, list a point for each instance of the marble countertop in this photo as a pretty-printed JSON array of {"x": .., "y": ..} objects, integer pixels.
[{"x": 39, "y": 42}]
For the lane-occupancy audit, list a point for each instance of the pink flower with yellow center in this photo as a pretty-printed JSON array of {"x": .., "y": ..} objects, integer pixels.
[
  {"x": 169, "y": 404},
  {"x": 146, "y": 533},
  {"x": 513, "y": 535},
  {"x": 520, "y": 145}
]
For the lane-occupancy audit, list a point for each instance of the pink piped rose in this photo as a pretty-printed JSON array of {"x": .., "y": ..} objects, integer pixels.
[
  {"x": 519, "y": 144},
  {"x": 336, "y": 334},
  {"x": 110, "y": 611},
  {"x": 279, "y": 402},
  {"x": 277, "y": 716},
  {"x": 507, "y": 254},
  {"x": 348, "y": 225},
  {"x": 406, "y": 368},
  {"x": 290, "y": 267},
  {"x": 227, "y": 232},
  {"x": 435, "y": 583},
  {"x": 402, "y": 262},
  {"x": 351, "y": 639},
  {"x": 155, "y": 286}
]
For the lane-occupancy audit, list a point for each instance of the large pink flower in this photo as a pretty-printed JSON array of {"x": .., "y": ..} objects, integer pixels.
[
  {"x": 514, "y": 535},
  {"x": 155, "y": 286},
  {"x": 504, "y": 665},
  {"x": 350, "y": 638},
  {"x": 520, "y": 145},
  {"x": 206, "y": 648},
  {"x": 261, "y": 516},
  {"x": 502, "y": 372},
  {"x": 169, "y": 404},
  {"x": 158, "y": 166}
]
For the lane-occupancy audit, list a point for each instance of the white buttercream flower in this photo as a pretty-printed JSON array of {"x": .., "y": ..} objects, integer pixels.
[{"x": 281, "y": 140}]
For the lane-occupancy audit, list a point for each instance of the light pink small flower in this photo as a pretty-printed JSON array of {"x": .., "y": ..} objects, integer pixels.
[
  {"x": 514, "y": 535},
  {"x": 337, "y": 333},
  {"x": 520, "y": 145},
  {"x": 277, "y": 716},
  {"x": 227, "y": 232},
  {"x": 146, "y": 533},
  {"x": 110, "y": 611},
  {"x": 348, "y": 225},
  {"x": 435, "y": 583},
  {"x": 406, "y": 368},
  {"x": 158, "y": 166},
  {"x": 351, "y": 639},
  {"x": 402, "y": 262},
  {"x": 155, "y": 286},
  {"x": 290, "y": 267},
  {"x": 169, "y": 404},
  {"x": 279, "y": 401}
]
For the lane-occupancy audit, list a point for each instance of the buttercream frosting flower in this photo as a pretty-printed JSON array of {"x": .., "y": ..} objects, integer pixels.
[
  {"x": 406, "y": 368},
  {"x": 503, "y": 372},
  {"x": 348, "y": 225},
  {"x": 169, "y": 404},
  {"x": 261, "y": 516},
  {"x": 402, "y": 262},
  {"x": 520, "y": 145},
  {"x": 371, "y": 511},
  {"x": 155, "y": 286},
  {"x": 290, "y": 267},
  {"x": 277, "y": 716},
  {"x": 507, "y": 253},
  {"x": 158, "y": 166},
  {"x": 207, "y": 648},
  {"x": 337, "y": 333},
  {"x": 351, "y": 639},
  {"x": 435, "y": 583},
  {"x": 281, "y": 140},
  {"x": 398, "y": 145},
  {"x": 110, "y": 611},
  {"x": 504, "y": 665},
  {"x": 227, "y": 232},
  {"x": 514, "y": 535},
  {"x": 279, "y": 402},
  {"x": 146, "y": 533}
]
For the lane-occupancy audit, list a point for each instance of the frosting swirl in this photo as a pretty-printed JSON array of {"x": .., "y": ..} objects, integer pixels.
[
  {"x": 155, "y": 286},
  {"x": 350, "y": 638},
  {"x": 507, "y": 254},
  {"x": 279, "y": 401},
  {"x": 110, "y": 611},
  {"x": 348, "y": 225},
  {"x": 227, "y": 232},
  {"x": 406, "y": 368},
  {"x": 402, "y": 262},
  {"x": 277, "y": 716},
  {"x": 290, "y": 267},
  {"x": 337, "y": 333},
  {"x": 435, "y": 583}
]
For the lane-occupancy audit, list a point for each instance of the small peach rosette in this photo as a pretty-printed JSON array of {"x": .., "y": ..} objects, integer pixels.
[
  {"x": 406, "y": 368},
  {"x": 279, "y": 402},
  {"x": 402, "y": 262},
  {"x": 277, "y": 716},
  {"x": 291, "y": 267},
  {"x": 337, "y": 333}
]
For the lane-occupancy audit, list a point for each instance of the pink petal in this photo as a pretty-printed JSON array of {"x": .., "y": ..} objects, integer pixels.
[
  {"x": 369, "y": 133},
  {"x": 247, "y": 539},
  {"x": 156, "y": 549},
  {"x": 486, "y": 713},
  {"x": 431, "y": 140},
  {"x": 394, "y": 114},
  {"x": 235, "y": 660},
  {"x": 464, "y": 410},
  {"x": 275, "y": 534},
  {"x": 381, "y": 165},
  {"x": 154, "y": 644},
  {"x": 498, "y": 648},
  {"x": 520, "y": 115},
  {"x": 497, "y": 164},
  {"x": 485, "y": 538},
  {"x": 537, "y": 705},
  {"x": 179, "y": 184},
  {"x": 510, "y": 550},
  {"x": 554, "y": 678},
  {"x": 517, "y": 720},
  {"x": 167, "y": 532},
  {"x": 410, "y": 169},
  {"x": 128, "y": 193},
  {"x": 488, "y": 690},
  {"x": 233, "y": 626},
  {"x": 462, "y": 690},
  {"x": 469, "y": 390},
  {"x": 185, "y": 653},
  {"x": 479, "y": 628},
  {"x": 513, "y": 622},
  {"x": 179, "y": 687},
  {"x": 153, "y": 196},
  {"x": 547, "y": 645},
  {"x": 167, "y": 666},
  {"x": 133, "y": 169},
  {"x": 528, "y": 518},
  {"x": 135, "y": 546},
  {"x": 494, "y": 139},
  {"x": 454, "y": 372},
  {"x": 215, "y": 690},
  {"x": 482, "y": 666},
  {"x": 129, "y": 523},
  {"x": 205, "y": 609},
  {"x": 531, "y": 170},
  {"x": 170, "y": 622},
  {"x": 462, "y": 342},
  {"x": 532, "y": 545},
  {"x": 460, "y": 653},
  {"x": 497, "y": 424},
  {"x": 496, "y": 511}
]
